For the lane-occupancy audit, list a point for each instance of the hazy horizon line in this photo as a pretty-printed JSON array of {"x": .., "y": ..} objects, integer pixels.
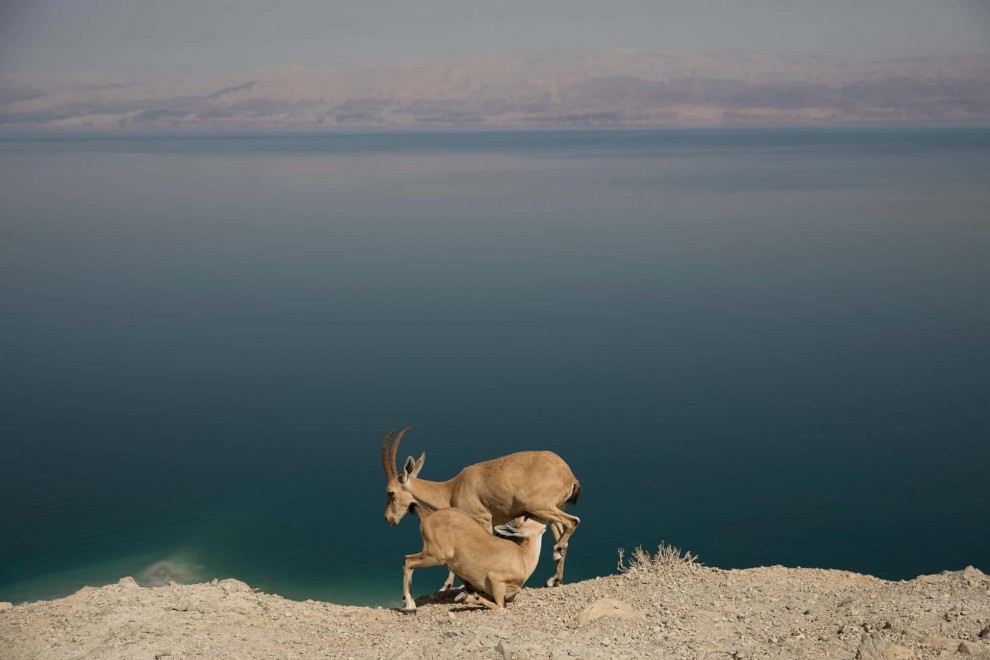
[
  {"x": 588, "y": 88},
  {"x": 425, "y": 59}
]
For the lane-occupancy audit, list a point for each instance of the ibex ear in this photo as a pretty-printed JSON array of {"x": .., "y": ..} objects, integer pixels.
[
  {"x": 419, "y": 464},
  {"x": 508, "y": 530},
  {"x": 408, "y": 470}
]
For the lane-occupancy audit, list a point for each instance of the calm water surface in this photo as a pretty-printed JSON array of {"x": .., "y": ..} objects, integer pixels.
[{"x": 769, "y": 347}]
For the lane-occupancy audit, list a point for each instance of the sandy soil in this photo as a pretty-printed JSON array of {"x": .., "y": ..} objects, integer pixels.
[{"x": 673, "y": 610}]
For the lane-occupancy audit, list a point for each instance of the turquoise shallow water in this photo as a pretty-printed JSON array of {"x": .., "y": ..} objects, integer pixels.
[{"x": 764, "y": 346}]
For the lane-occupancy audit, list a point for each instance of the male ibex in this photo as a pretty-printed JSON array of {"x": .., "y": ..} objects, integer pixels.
[
  {"x": 489, "y": 566},
  {"x": 535, "y": 483}
]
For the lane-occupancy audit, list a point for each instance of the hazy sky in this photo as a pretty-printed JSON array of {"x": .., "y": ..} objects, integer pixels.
[{"x": 220, "y": 36}]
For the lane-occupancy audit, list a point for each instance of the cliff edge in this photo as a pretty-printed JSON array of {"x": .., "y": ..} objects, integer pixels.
[{"x": 676, "y": 610}]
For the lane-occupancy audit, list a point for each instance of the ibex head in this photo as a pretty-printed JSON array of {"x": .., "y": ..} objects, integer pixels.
[{"x": 400, "y": 501}]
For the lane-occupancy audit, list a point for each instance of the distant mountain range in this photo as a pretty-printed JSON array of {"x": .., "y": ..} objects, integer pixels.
[{"x": 553, "y": 90}]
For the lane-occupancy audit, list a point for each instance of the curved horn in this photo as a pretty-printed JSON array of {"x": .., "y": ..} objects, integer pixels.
[
  {"x": 395, "y": 450},
  {"x": 388, "y": 461}
]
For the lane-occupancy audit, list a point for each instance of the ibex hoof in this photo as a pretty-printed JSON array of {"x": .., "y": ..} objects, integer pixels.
[
  {"x": 461, "y": 597},
  {"x": 553, "y": 582},
  {"x": 408, "y": 610}
]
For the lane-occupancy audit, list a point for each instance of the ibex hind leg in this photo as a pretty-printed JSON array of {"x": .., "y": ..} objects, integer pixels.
[
  {"x": 474, "y": 598},
  {"x": 558, "y": 530},
  {"x": 563, "y": 525}
]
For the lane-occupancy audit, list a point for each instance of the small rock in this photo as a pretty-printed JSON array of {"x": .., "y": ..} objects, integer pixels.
[
  {"x": 128, "y": 582},
  {"x": 609, "y": 607},
  {"x": 874, "y": 648},
  {"x": 983, "y": 633},
  {"x": 504, "y": 650},
  {"x": 931, "y": 641},
  {"x": 235, "y": 585},
  {"x": 972, "y": 573},
  {"x": 969, "y": 648}
]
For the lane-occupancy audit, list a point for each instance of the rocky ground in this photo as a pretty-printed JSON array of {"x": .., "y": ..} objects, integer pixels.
[{"x": 656, "y": 609}]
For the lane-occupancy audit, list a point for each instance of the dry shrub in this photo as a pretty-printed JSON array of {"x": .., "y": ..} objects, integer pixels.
[{"x": 667, "y": 556}]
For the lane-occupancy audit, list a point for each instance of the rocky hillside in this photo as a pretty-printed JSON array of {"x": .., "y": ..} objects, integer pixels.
[
  {"x": 656, "y": 609},
  {"x": 617, "y": 87}
]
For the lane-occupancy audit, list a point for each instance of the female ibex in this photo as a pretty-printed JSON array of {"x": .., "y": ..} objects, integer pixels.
[
  {"x": 535, "y": 483},
  {"x": 489, "y": 566}
]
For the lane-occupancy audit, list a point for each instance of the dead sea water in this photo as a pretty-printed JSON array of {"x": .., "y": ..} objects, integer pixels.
[{"x": 766, "y": 346}]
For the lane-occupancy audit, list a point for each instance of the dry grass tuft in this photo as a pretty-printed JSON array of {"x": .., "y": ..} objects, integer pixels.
[{"x": 666, "y": 556}]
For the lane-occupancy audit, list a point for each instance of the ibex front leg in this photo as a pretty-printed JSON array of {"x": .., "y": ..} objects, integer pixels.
[
  {"x": 449, "y": 582},
  {"x": 484, "y": 518},
  {"x": 418, "y": 560}
]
